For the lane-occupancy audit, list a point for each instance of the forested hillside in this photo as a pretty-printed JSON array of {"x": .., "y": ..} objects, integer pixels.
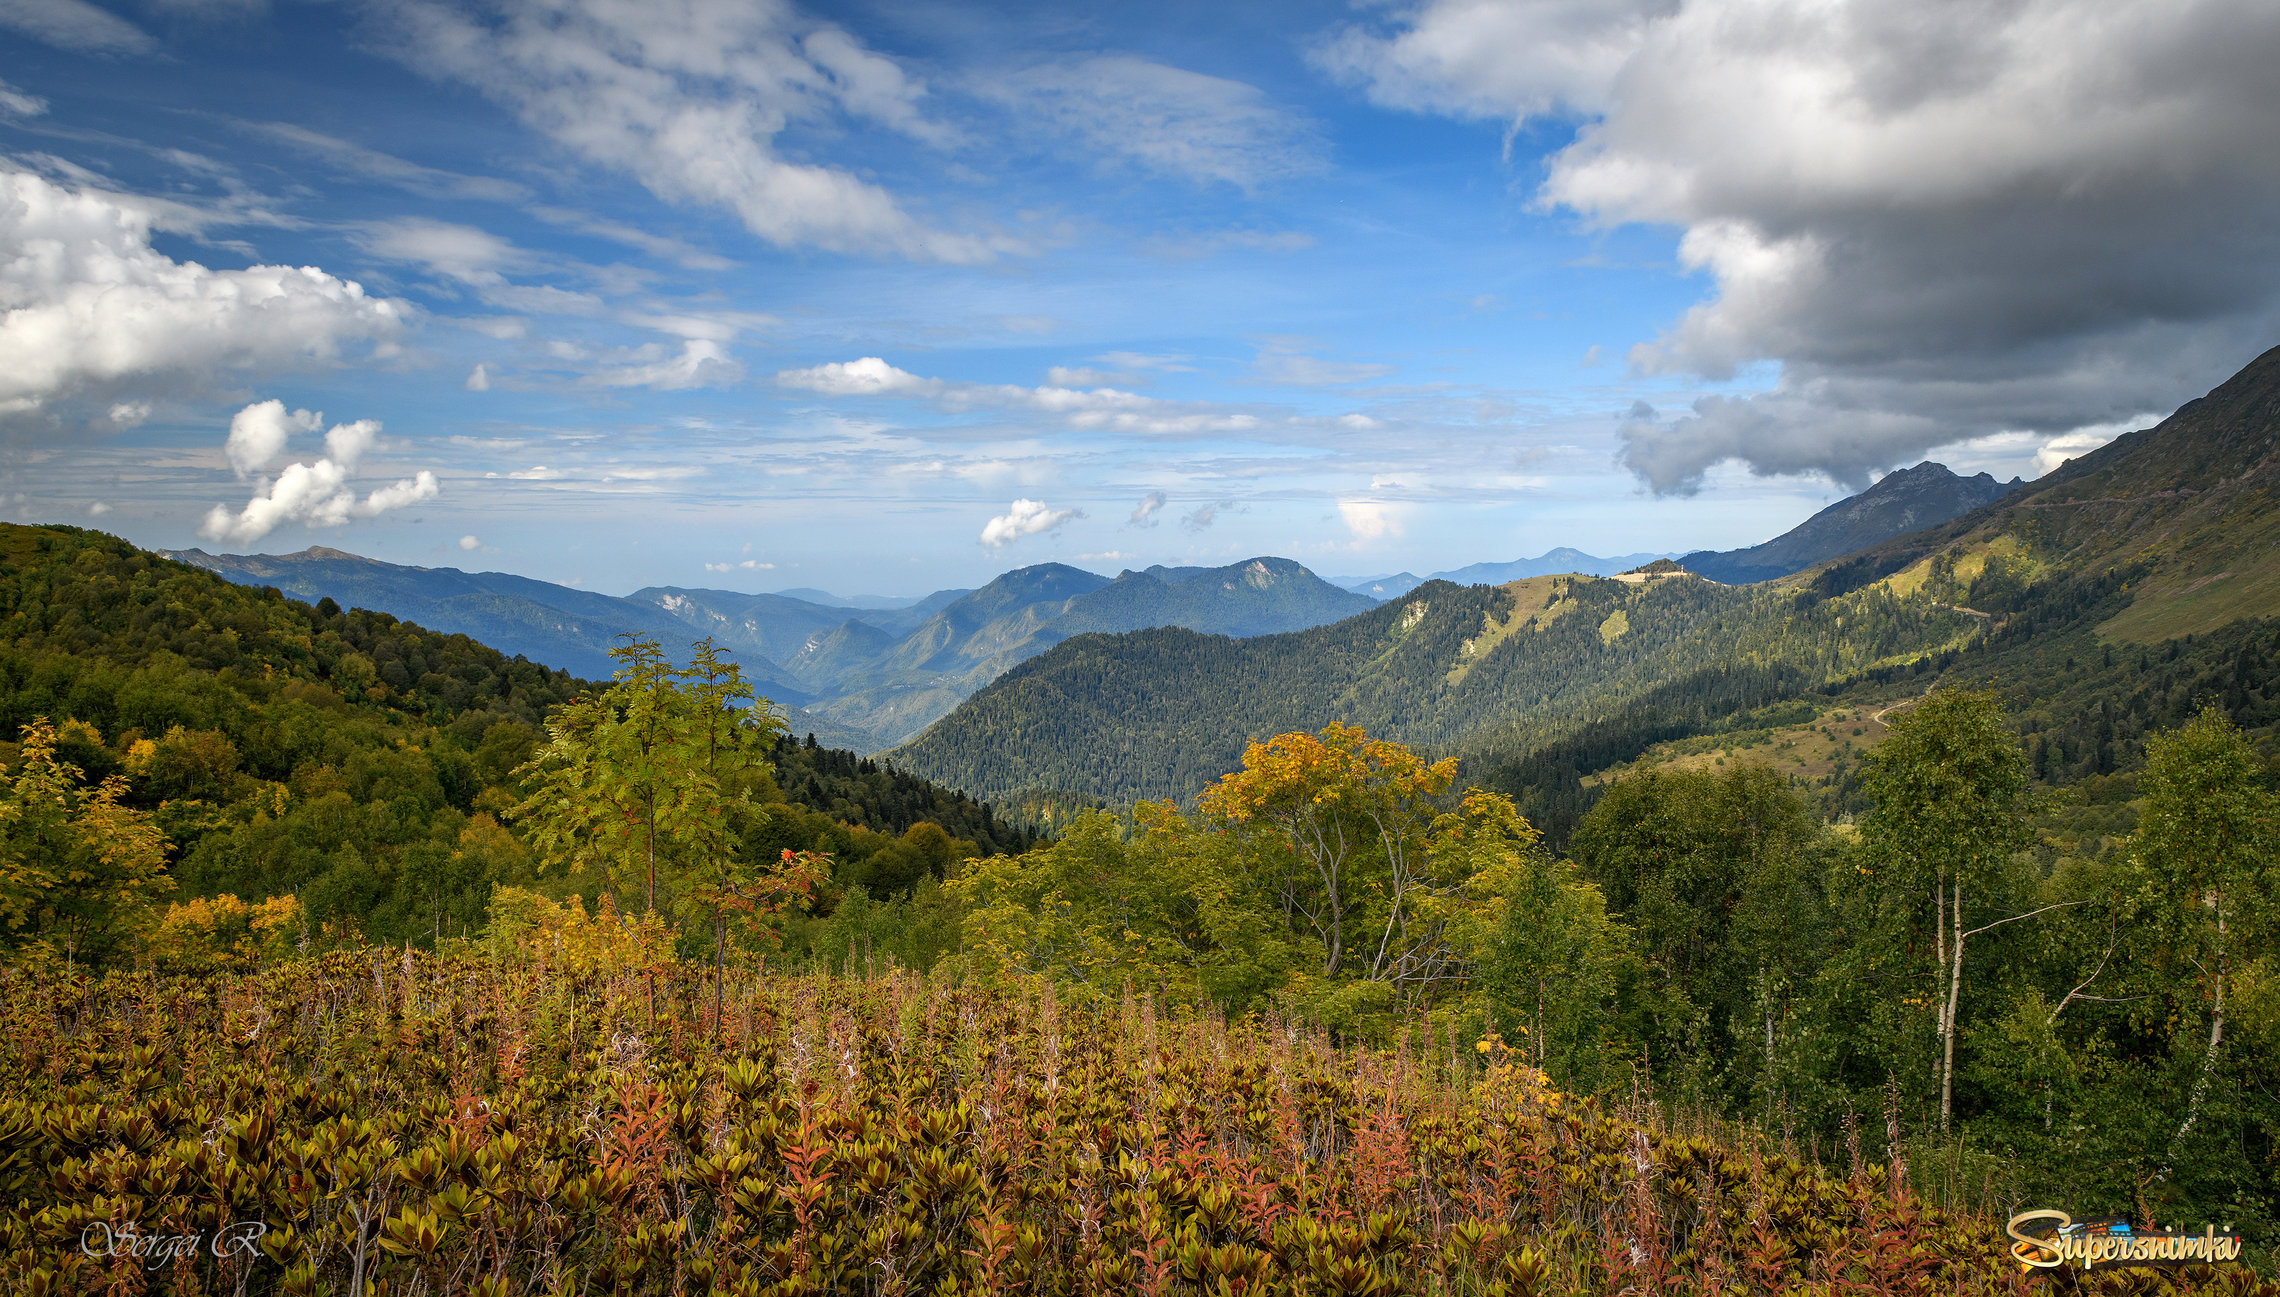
[
  {"x": 2104, "y": 602},
  {"x": 1159, "y": 713},
  {"x": 361, "y": 764},
  {"x": 859, "y": 678}
]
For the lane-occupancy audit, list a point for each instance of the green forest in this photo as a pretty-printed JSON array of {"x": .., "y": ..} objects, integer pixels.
[
  {"x": 2030, "y": 946},
  {"x": 360, "y": 765}
]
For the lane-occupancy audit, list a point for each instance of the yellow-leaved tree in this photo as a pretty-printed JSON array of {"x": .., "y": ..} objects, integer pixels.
[
  {"x": 79, "y": 869},
  {"x": 1334, "y": 875}
]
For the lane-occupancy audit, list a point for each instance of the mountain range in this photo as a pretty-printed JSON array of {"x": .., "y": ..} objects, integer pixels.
[
  {"x": 868, "y": 672},
  {"x": 1549, "y": 563},
  {"x": 1899, "y": 503},
  {"x": 862, "y": 678},
  {"x": 2165, "y": 537}
]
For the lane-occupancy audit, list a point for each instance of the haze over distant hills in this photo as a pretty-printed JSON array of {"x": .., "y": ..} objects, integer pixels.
[
  {"x": 1550, "y": 563},
  {"x": 860, "y": 677},
  {"x": 1899, "y": 503}
]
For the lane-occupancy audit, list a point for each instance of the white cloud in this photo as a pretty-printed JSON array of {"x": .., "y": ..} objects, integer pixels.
[
  {"x": 75, "y": 25},
  {"x": 1942, "y": 221},
  {"x": 258, "y": 434},
  {"x": 869, "y": 376},
  {"x": 689, "y": 99},
  {"x": 97, "y": 509},
  {"x": 701, "y": 362},
  {"x": 1102, "y": 407},
  {"x": 87, "y": 303},
  {"x": 1025, "y": 518},
  {"x": 1081, "y": 376},
  {"x": 1166, "y": 120},
  {"x": 463, "y": 252},
  {"x": 1144, "y": 513},
  {"x": 2073, "y": 445},
  {"x": 346, "y": 443},
  {"x": 656, "y": 245},
  {"x": 747, "y": 565},
  {"x": 128, "y": 414},
  {"x": 1371, "y": 520},
  {"x": 313, "y": 493},
  {"x": 478, "y": 379},
  {"x": 1497, "y": 59},
  {"x": 372, "y": 165},
  {"x": 1289, "y": 361},
  {"x": 469, "y": 543},
  {"x": 1201, "y": 517},
  {"x": 21, "y": 103},
  {"x": 1169, "y": 364}
]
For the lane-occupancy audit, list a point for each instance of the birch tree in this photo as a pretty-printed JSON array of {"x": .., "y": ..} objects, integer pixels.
[
  {"x": 1949, "y": 784},
  {"x": 2206, "y": 842}
]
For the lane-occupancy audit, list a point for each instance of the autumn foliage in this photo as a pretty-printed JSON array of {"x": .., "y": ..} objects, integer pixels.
[{"x": 568, "y": 1116}]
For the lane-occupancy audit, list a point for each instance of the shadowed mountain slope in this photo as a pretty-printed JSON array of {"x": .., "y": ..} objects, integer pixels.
[{"x": 1902, "y": 502}]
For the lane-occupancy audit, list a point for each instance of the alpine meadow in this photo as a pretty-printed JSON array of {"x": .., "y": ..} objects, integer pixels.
[{"x": 1454, "y": 648}]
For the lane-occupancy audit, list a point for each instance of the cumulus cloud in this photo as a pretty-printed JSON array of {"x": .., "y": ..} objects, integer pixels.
[
  {"x": 869, "y": 376},
  {"x": 1025, "y": 518},
  {"x": 478, "y": 379},
  {"x": 689, "y": 99},
  {"x": 258, "y": 434},
  {"x": 1165, "y": 120},
  {"x": 1942, "y": 221},
  {"x": 75, "y": 25},
  {"x": 87, "y": 304},
  {"x": 315, "y": 493},
  {"x": 1144, "y": 513},
  {"x": 1201, "y": 517},
  {"x": 469, "y": 543},
  {"x": 746, "y": 565},
  {"x": 1101, "y": 407},
  {"x": 128, "y": 414}
]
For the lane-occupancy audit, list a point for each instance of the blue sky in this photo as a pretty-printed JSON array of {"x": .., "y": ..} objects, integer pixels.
[{"x": 886, "y": 298}]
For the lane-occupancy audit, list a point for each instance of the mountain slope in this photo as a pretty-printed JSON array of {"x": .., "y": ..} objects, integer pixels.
[
  {"x": 1899, "y": 503},
  {"x": 897, "y": 689},
  {"x": 2181, "y": 516},
  {"x": 777, "y": 626},
  {"x": 859, "y": 678},
  {"x": 358, "y": 761},
  {"x": 1158, "y": 713},
  {"x": 562, "y": 627},
  {"x": 1553, "y": 562},
  {"x": 1262, "y": 596},
  {"x": 2040, "y": 595}
]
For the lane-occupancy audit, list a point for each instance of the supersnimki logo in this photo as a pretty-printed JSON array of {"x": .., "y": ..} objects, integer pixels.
[{"x": 2108, "y": 1244}]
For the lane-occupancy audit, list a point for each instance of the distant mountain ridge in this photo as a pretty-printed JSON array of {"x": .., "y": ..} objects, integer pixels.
[
  {"x": 2161, "y": 536},
  {"x": 1902, "y": 502},
  {"x": 861, "y": 678},
  {"x": 896, "y": 686},
  {"x": 1553, "y": 562}
]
